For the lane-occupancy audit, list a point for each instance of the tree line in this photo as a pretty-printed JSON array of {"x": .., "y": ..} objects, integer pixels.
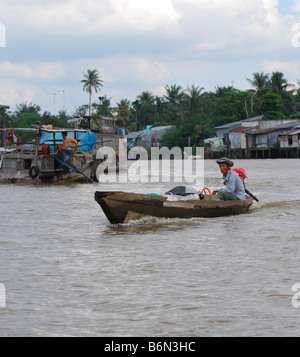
[{"x": 192, "y": 111}]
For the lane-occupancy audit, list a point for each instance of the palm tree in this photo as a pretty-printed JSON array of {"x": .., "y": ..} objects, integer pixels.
[
  {"x": 91, "y": 81},
  {"x": 278, "y": 83},
  {"x": 260, "y": 82},
  {"x": 122, "y": 103},
  {"x": 222, "y": 91},
  {"x": 146, "y": 97},
  {"x": 175, "y": 94},
  {"x": 174, "y": 97},
  {"x": 193, "y": 97},
  {"x": 25, "y": 108},
  {"x": 160, "y": 106},
  {"x": 146, "y": 108},
  {"x": 282, "y": 87}
]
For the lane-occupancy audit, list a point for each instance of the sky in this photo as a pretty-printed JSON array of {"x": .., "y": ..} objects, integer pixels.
[{"x": 140, "y": 45}]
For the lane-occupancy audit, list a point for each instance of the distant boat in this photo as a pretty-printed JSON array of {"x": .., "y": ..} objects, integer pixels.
[
  {"x": 45, "y": 162},
  {"x": 122, "y": 207}
]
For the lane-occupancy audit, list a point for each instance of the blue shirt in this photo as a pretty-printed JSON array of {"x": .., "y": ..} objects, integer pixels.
[{"x": 234, "y": 185}]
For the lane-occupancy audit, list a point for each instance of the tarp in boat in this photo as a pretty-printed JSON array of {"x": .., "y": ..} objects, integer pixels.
[
  {"x": 87, "y": 139},
  {"x": 182, "y": 191}
]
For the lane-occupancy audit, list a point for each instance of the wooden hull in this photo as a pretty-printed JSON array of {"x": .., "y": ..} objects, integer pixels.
[
  {"x": 16, "y": 168},
  {"x": 46, "y": 159},
  {"x": 122, "y": 207}
]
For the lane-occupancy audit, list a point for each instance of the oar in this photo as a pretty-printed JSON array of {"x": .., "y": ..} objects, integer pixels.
[
  {"x": 251, "y": 194},
  {"x": 74, "y": 169}
]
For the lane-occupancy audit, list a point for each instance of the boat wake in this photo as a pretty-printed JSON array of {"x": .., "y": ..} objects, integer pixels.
[
  {"x": 150, "y": 222},
  {"x": 294, "y": 203}
]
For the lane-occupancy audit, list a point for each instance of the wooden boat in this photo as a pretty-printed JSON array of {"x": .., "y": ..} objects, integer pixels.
[
  {"x": 122, "y": 207},
  {"x": 45, "y": 162}
]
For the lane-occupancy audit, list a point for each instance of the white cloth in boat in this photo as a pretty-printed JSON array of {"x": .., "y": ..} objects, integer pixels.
[{"x": 189, "y": 197}]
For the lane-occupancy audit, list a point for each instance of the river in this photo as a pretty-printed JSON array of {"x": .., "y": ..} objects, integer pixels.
[{"x": 66, "y": 271}]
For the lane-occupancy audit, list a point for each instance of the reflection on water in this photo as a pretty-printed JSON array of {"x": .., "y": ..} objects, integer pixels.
[{"x": 68, "y": 272}]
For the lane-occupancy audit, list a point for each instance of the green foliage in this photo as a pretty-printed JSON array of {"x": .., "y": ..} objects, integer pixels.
[
  {"x": 231, "y": 106},
  {"x": 123, "y": 116},
  {"x": 272, "y": 107},
  {"x": 104, "y": 108},
  {"x": 192, "y": 131},
  {"x": 5, "y": 119},
  {"x": 192, "y": 111},
  {"x": 295, "y": 116},
  {"x": 273, "y": 114},
  {"x": 271, "y": 101},
  {"x": 91, "y": 81},
  {"x": 28, "y": 120}
]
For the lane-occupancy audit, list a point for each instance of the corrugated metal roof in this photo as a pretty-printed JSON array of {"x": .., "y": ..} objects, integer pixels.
[
  {"x": 229, "y": 125},
  {"x": 154, "y": 130},
  {"x": 240, "y": 128},
  {"x": 292, "y": 124},
  {"x": 293, "y": 132},
  {"x": 232, "y": 124},
  {"x": 281, "y": 127},
  {"x": 263, "y": 131}
]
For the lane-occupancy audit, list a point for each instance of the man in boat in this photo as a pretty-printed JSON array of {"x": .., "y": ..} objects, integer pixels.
[
  {"x": 234, "y": 188},
  {"x": 68, "y": 141}
]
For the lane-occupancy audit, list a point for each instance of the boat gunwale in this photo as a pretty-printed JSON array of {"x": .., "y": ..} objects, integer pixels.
[
  {"x": 148, "y": 199},
  {"x": 117, "y": 208}
]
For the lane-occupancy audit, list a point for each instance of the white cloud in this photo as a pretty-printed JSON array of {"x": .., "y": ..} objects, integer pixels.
[
  {"x": 9, "y": 94},
  {"x": 146, "y": 15},
  {"x": 139, "y": 44},
  {"x": 13, "y": 93},
  {"x": 90, "y": 16},
  {"x": 151, "y": 71},
  {"x": 248, "y": 24},
  {"x": 291, "y": 69},
  {"x": 133, "y": 69},
  {"x": 296, "y": 6},
  {"x": 191, "y": 23},
  {"x": 42, "y": 71},
  {"x": 22, "y": 82}
]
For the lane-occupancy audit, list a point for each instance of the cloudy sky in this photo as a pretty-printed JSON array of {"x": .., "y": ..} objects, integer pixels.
[{"x": 137, "y": 45}]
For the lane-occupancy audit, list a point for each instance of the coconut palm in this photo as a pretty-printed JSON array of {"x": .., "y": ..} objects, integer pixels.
[
  {"x": 193, "y": 98},
  {"x": 91, "y": 81},
  {"x": 282, "y": 87},
  {"x": 25, "y": 108},
  {"x": 123, "y": 102},
  {"x": 220, "y": 91},
  {"x": 260, "y": 82},
  {"x": 278, "y": 83},
  {"x": 174, "y": 94},
  {"x": 146, "y": 108}
]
